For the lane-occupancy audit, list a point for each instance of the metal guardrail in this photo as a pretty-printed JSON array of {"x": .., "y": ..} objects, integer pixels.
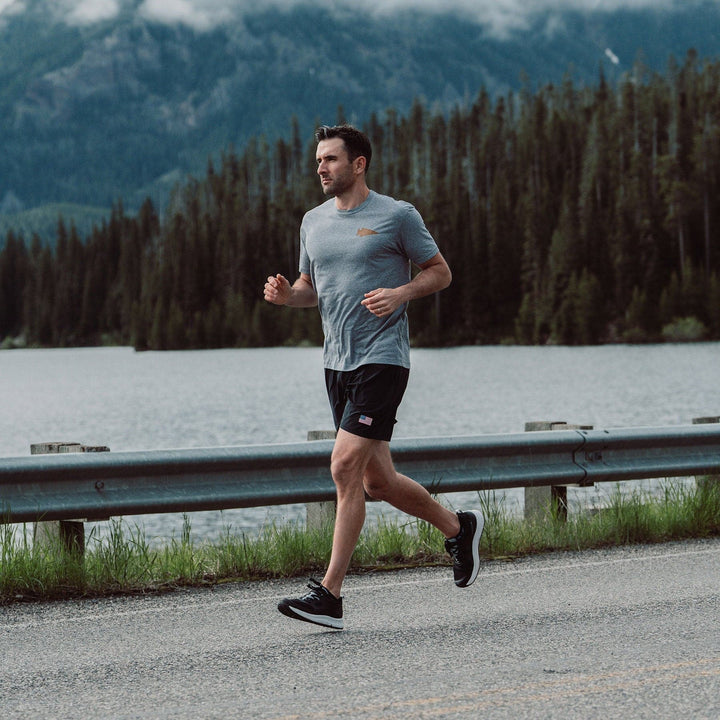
[{"x": 103, "y": 485}]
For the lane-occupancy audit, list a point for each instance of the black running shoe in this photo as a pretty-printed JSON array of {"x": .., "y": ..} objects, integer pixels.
[
  {"x": 464, "y": 547},
  {"x": 319, "y": 606}
]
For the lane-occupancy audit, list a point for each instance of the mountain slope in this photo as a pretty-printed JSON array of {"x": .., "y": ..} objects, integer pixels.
[{"x": 124, "y": 107}]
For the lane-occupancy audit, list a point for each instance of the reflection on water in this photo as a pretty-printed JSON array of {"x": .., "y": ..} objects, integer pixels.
[{"x": 131, "y": 401}]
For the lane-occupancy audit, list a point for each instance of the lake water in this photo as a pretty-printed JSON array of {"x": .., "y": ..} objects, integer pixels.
[{"x": 139, "y": 401}]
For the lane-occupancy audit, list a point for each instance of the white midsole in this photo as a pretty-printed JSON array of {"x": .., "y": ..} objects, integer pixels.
[
  {"x": 476, "y": 543},
  {"x": 327, "y": 620}
]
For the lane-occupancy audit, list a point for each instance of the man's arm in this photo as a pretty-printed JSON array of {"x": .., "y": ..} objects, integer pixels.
[
  {"x": 434, "y": 275},
  {"x": 301, "y": 293}
]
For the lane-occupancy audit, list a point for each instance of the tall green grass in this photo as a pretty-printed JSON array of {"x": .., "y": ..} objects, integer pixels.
[{"x": 123, "y": 561}]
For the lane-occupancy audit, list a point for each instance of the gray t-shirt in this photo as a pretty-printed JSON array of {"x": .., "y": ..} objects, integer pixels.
[{"x": 350, "y": 252}]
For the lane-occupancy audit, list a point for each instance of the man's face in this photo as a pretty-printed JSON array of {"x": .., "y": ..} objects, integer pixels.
[{"x": 337, "y": 173}]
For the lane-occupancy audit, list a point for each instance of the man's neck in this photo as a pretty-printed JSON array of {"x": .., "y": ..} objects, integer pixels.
[{"x": 352, "y": 198}]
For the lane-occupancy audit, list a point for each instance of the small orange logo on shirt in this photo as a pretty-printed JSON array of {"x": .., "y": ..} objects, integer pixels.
[{"x": 362, "y": 232}]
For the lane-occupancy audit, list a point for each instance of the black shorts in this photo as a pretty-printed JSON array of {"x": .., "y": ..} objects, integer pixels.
[{"x": 364, "y": 401}]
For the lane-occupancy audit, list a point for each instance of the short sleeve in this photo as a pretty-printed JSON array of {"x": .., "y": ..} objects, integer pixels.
[
  {"x": 304, "y": 262},
  {"x": 418, "y": 244}
]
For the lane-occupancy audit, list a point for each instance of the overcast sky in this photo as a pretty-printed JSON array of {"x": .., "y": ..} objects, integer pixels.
[{"x": 501, "y": 16}]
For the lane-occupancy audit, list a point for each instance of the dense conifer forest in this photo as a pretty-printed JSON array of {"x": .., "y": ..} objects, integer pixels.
[{"x": 568, "y": 214}]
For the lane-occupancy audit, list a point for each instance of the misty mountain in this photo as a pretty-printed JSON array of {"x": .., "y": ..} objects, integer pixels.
[{"x": 128, "y": 106}]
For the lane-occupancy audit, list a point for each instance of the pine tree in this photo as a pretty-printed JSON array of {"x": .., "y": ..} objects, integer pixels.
[
  {"x": 568, "y": 214},
  {"x": 14, "y": 268}
]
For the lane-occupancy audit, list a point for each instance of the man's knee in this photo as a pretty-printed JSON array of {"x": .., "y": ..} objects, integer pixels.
[
  {"x": 378, "y": 484},
  {"x": 346, "y": 467},
  {"x": 376, "y": 490}
]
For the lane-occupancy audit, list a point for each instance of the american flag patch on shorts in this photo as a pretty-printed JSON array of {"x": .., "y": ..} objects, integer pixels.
[{"x": 365, "y": 420}]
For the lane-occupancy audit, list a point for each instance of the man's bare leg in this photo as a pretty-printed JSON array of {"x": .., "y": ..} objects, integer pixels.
[
  {"x": 462, "y": 530},
  {"x": 359, "y": 464},
  {"x": 350, "y": 457},
  {"x": 383, "y": 482}
]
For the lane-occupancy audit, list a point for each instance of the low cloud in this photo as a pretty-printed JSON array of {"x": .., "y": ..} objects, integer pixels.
[
  {"x": 87, "y": 12},
  {"x": 199, "y": 14},
  {"x": 501, "y": 17},
  {"x": 71, "y": 12},
  {"x": 11, "y": 7}
]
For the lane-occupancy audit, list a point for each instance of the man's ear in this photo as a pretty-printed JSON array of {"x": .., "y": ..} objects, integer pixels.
[{"x": 360, "y": 163}]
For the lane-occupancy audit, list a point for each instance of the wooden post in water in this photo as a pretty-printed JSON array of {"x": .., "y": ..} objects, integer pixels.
[
  {"x": 69, "y": 534},
  {"x": 320, "y": 514},
  {"x": 553, "y": 498},
  {"x": 707, "y": 479}
]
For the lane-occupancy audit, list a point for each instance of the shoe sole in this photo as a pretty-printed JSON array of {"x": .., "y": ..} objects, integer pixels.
[
  {"x": 480, "y": 527},
  {"x": 324, "y": 620}
]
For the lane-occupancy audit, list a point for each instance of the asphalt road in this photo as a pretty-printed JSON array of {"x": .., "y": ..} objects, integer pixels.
[{"x": 622, "y": 633}]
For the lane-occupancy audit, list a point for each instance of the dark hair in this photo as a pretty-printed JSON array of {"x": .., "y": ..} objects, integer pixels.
[{"x": 356, "y": 142}]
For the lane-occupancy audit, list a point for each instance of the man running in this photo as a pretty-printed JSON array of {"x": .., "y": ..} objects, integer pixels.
[{"x": 355, "y": 260}]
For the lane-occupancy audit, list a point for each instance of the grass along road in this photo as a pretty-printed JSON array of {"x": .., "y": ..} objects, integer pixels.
[{"x": 124, "y": 561}]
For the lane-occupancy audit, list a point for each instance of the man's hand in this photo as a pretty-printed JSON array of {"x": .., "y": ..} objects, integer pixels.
[
  {"x": 383, "y": 301},
  {"x": 434, "y": 275},
  {"x": 277, "y": 290}
]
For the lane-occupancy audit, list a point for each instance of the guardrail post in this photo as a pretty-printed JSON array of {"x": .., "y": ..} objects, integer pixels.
[
  {"x": 320, "y": 514},
  {"x": 69, "y": 534},
  {"x": 707, "y": 479},
  {"x": 553, "y": 497}
]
